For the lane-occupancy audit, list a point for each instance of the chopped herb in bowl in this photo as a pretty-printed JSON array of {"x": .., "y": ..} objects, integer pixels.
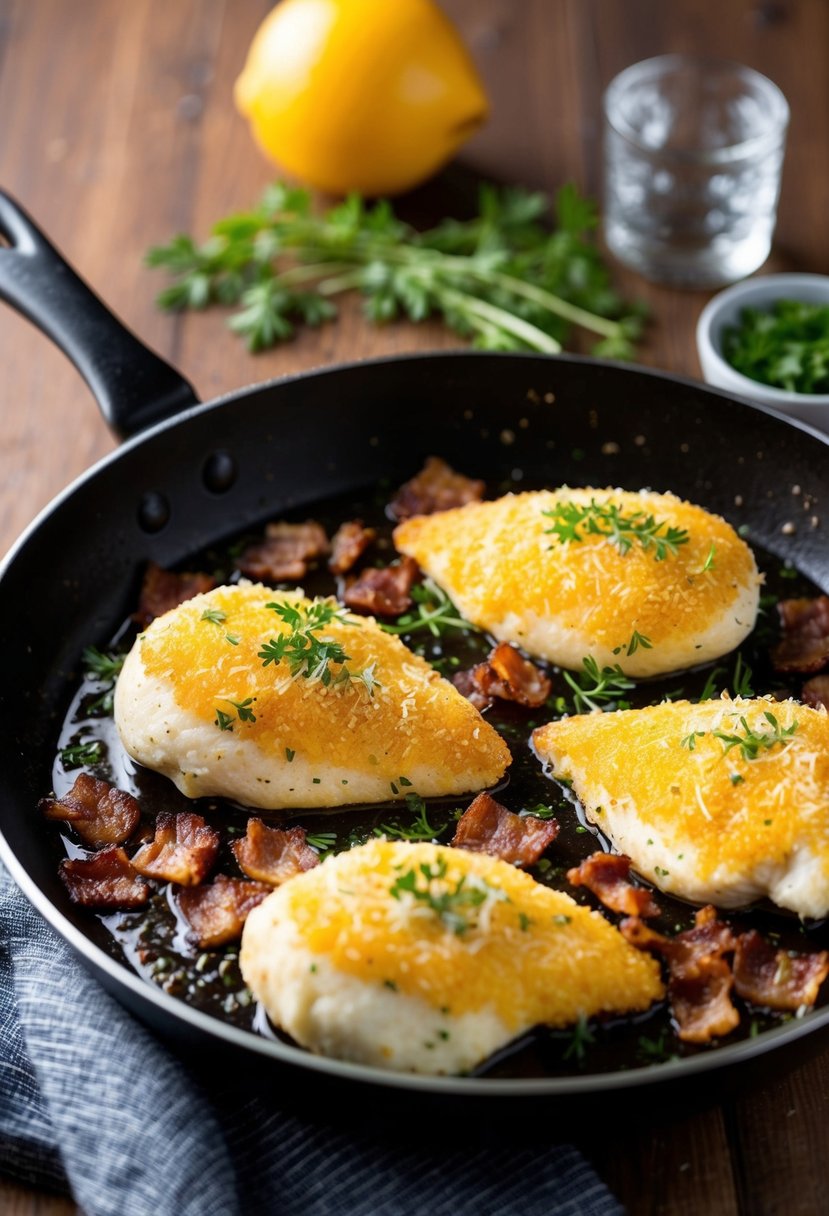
[{"x": 786, "y": 347}]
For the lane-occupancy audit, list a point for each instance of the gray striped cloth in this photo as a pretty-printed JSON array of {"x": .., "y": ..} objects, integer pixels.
[{"x": 92, "y": 1103}]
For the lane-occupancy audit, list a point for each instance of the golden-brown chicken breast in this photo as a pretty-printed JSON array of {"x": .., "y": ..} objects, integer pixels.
[
  {"x": 721, "y": 802},
  {"x": 427, "y": 959},
  {"x": 278, "y": 701},
  {"x": 567, "y": 573}
]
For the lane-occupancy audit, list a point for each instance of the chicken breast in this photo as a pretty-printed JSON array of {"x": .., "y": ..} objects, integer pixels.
[
  {"x": 421, "y": 958},
  {"x": 567, "y": 573},
  {"x": 277, "y": 701},
  {"x": 721, "y": 802}
]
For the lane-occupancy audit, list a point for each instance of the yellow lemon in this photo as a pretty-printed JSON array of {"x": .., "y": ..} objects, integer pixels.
[{"x": 360, "y": 95}]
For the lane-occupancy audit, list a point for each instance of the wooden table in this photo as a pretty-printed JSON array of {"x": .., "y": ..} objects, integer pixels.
[{"x": 118, "y": 129}]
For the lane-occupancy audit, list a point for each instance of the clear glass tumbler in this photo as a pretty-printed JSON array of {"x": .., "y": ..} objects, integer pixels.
[{"x": 693, "y": 155}]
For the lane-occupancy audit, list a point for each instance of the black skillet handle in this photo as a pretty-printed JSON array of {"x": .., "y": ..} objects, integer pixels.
[{"x": 133, "y": 386}]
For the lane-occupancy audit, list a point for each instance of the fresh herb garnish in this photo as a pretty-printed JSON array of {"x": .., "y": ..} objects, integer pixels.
[
  {"x": 81, "y": 753},
  {"x": 741, "y": 680},
  {"x": 572, "y": 522},
  {"x": 244, "y": 713},
  {"x": 593, "y": 688},
  {"x": 106, "y": 668},
  {"x": 433, "y": 610},
  {"x": 429, "y": 886},
  {"x": 323, "y": 842},
  {"x": 787, "y": 347},
  {"x": 310, "y": 656},
  {"x": 708, "y": 564},
  {"x": 502, "y": 279},
  {"x": 753, "y": 741},
  {"x": 419, "y": 829},
  {"x": 636, "y": 640},
  {"x": 214, "y": 615},
  {"x": 581, "y": 1038},
  {"x": 690, "y": 741}
]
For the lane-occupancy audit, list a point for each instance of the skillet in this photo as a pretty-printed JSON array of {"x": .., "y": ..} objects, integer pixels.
[{"x": 189, "y": 475}]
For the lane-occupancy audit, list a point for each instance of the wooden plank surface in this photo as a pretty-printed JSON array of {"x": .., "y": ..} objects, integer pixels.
[{"x": 118, "y": 129}]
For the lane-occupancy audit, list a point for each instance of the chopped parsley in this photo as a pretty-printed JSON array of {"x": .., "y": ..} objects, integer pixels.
[
  {"x": 244, "y": 713},
  {"x": 786, "y": 347},
  {"x": 637, "y": 640},
  {"x": 753, "y": 742}
]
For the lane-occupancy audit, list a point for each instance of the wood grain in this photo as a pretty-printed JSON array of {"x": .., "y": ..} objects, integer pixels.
[{"x": 119, "y": 129}]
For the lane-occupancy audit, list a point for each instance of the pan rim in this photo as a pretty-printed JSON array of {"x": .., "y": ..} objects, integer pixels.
[{"x": 119, "y": 973}]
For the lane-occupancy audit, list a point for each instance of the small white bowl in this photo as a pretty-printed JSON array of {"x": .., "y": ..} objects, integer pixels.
[{"x": 724, "y": 311}]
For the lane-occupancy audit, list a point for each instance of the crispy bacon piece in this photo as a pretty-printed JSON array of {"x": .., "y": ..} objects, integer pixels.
[
  {"x": 607, "y": 876},
  {"x": 815, "y": 692},
  {"x": 183, "y": 849},
  {"x": 488, "y": 827},
  {"x": 99, "y": 812},
  {"x": 437, "y": 487},
  {"x": 349, "y": 544},
  {"x": 510, "y": 677},
  {"x": 217, "y": 911},
  {"x": 383, "y": 592},
  {"x": 804, "y": 645},
  {"x": 464, "y": 681},
  {"x": 699, "y": 978},
  {"x": 105, "y": 882},
  {"x": 778, "y": 979},
  {"x": 285, "y": 552},
  {"x": 274, "y": 855},
  {"x": 162, "y": 590}
]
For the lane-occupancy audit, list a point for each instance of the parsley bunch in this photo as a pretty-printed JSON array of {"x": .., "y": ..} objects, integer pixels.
[
  {"x": 787, "y": 347},
  {"x": 504, "y": 279}
]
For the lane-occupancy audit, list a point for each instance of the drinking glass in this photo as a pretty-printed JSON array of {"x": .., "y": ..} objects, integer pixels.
[{"x": 693, "y": 155}]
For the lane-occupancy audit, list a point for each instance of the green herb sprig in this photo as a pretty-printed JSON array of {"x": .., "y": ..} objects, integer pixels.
[
  {"x": 502, "y": 278},
  {"x": 419, "y": 829},
  {"x": 753, "y": 742},
  {"x": 433, "y": 611},
  {"x": 429, "y": 886},
  {"x": 572, "y": 522},
  {"x": 594, "y": 687},
  {"x": 786, "y": 347},
  {"x": 310, "y": 655},
  {"x": 104, "y": 667},
  {"x": 78, "y": 754}
]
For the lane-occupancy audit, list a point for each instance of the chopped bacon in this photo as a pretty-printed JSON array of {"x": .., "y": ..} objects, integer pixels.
[
  {"x": 805, "y": 642},
  {"x": 815, "y": 692},
  {"x": 349, "y": 544},
  {"x": 99, "y": 812},
  {"x": 383, "y": 592},
  {"x": 464, "y": 681},
  {"x": 217, "y": 911},
  {"x": 510, "y": 677},
  {"x": 274, "y": 855},
  {"x": 285, "y": 552},
  {"x": 607, "y": 876},
  {"x": 778, "y": 979},
  {"x": 183, "y": 849},
  {"x": 437, "y": 487},
  {"x": 699, "y": 978},
  {"x": 106, "y": 881},
  {"x": 162, "y": 590},
  {"x": 488, "y": 827}
]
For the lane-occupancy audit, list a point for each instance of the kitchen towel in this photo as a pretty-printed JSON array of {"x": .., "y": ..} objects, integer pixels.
[{"x": 92, "y": 1103}]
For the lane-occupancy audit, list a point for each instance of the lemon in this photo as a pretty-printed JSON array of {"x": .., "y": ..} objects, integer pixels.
[{"x": 360, "y": 95}]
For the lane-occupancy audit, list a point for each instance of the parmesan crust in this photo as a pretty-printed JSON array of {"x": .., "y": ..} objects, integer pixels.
[
  {"x": 309, "y": 745},
  {"x": 562, "y": 601},
  {"x": 699, "y": 821},
  {"x": 350, "y": 970}
]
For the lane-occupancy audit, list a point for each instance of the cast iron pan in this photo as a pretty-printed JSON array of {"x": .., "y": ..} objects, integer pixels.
[{"x": 191, "y": 474}]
